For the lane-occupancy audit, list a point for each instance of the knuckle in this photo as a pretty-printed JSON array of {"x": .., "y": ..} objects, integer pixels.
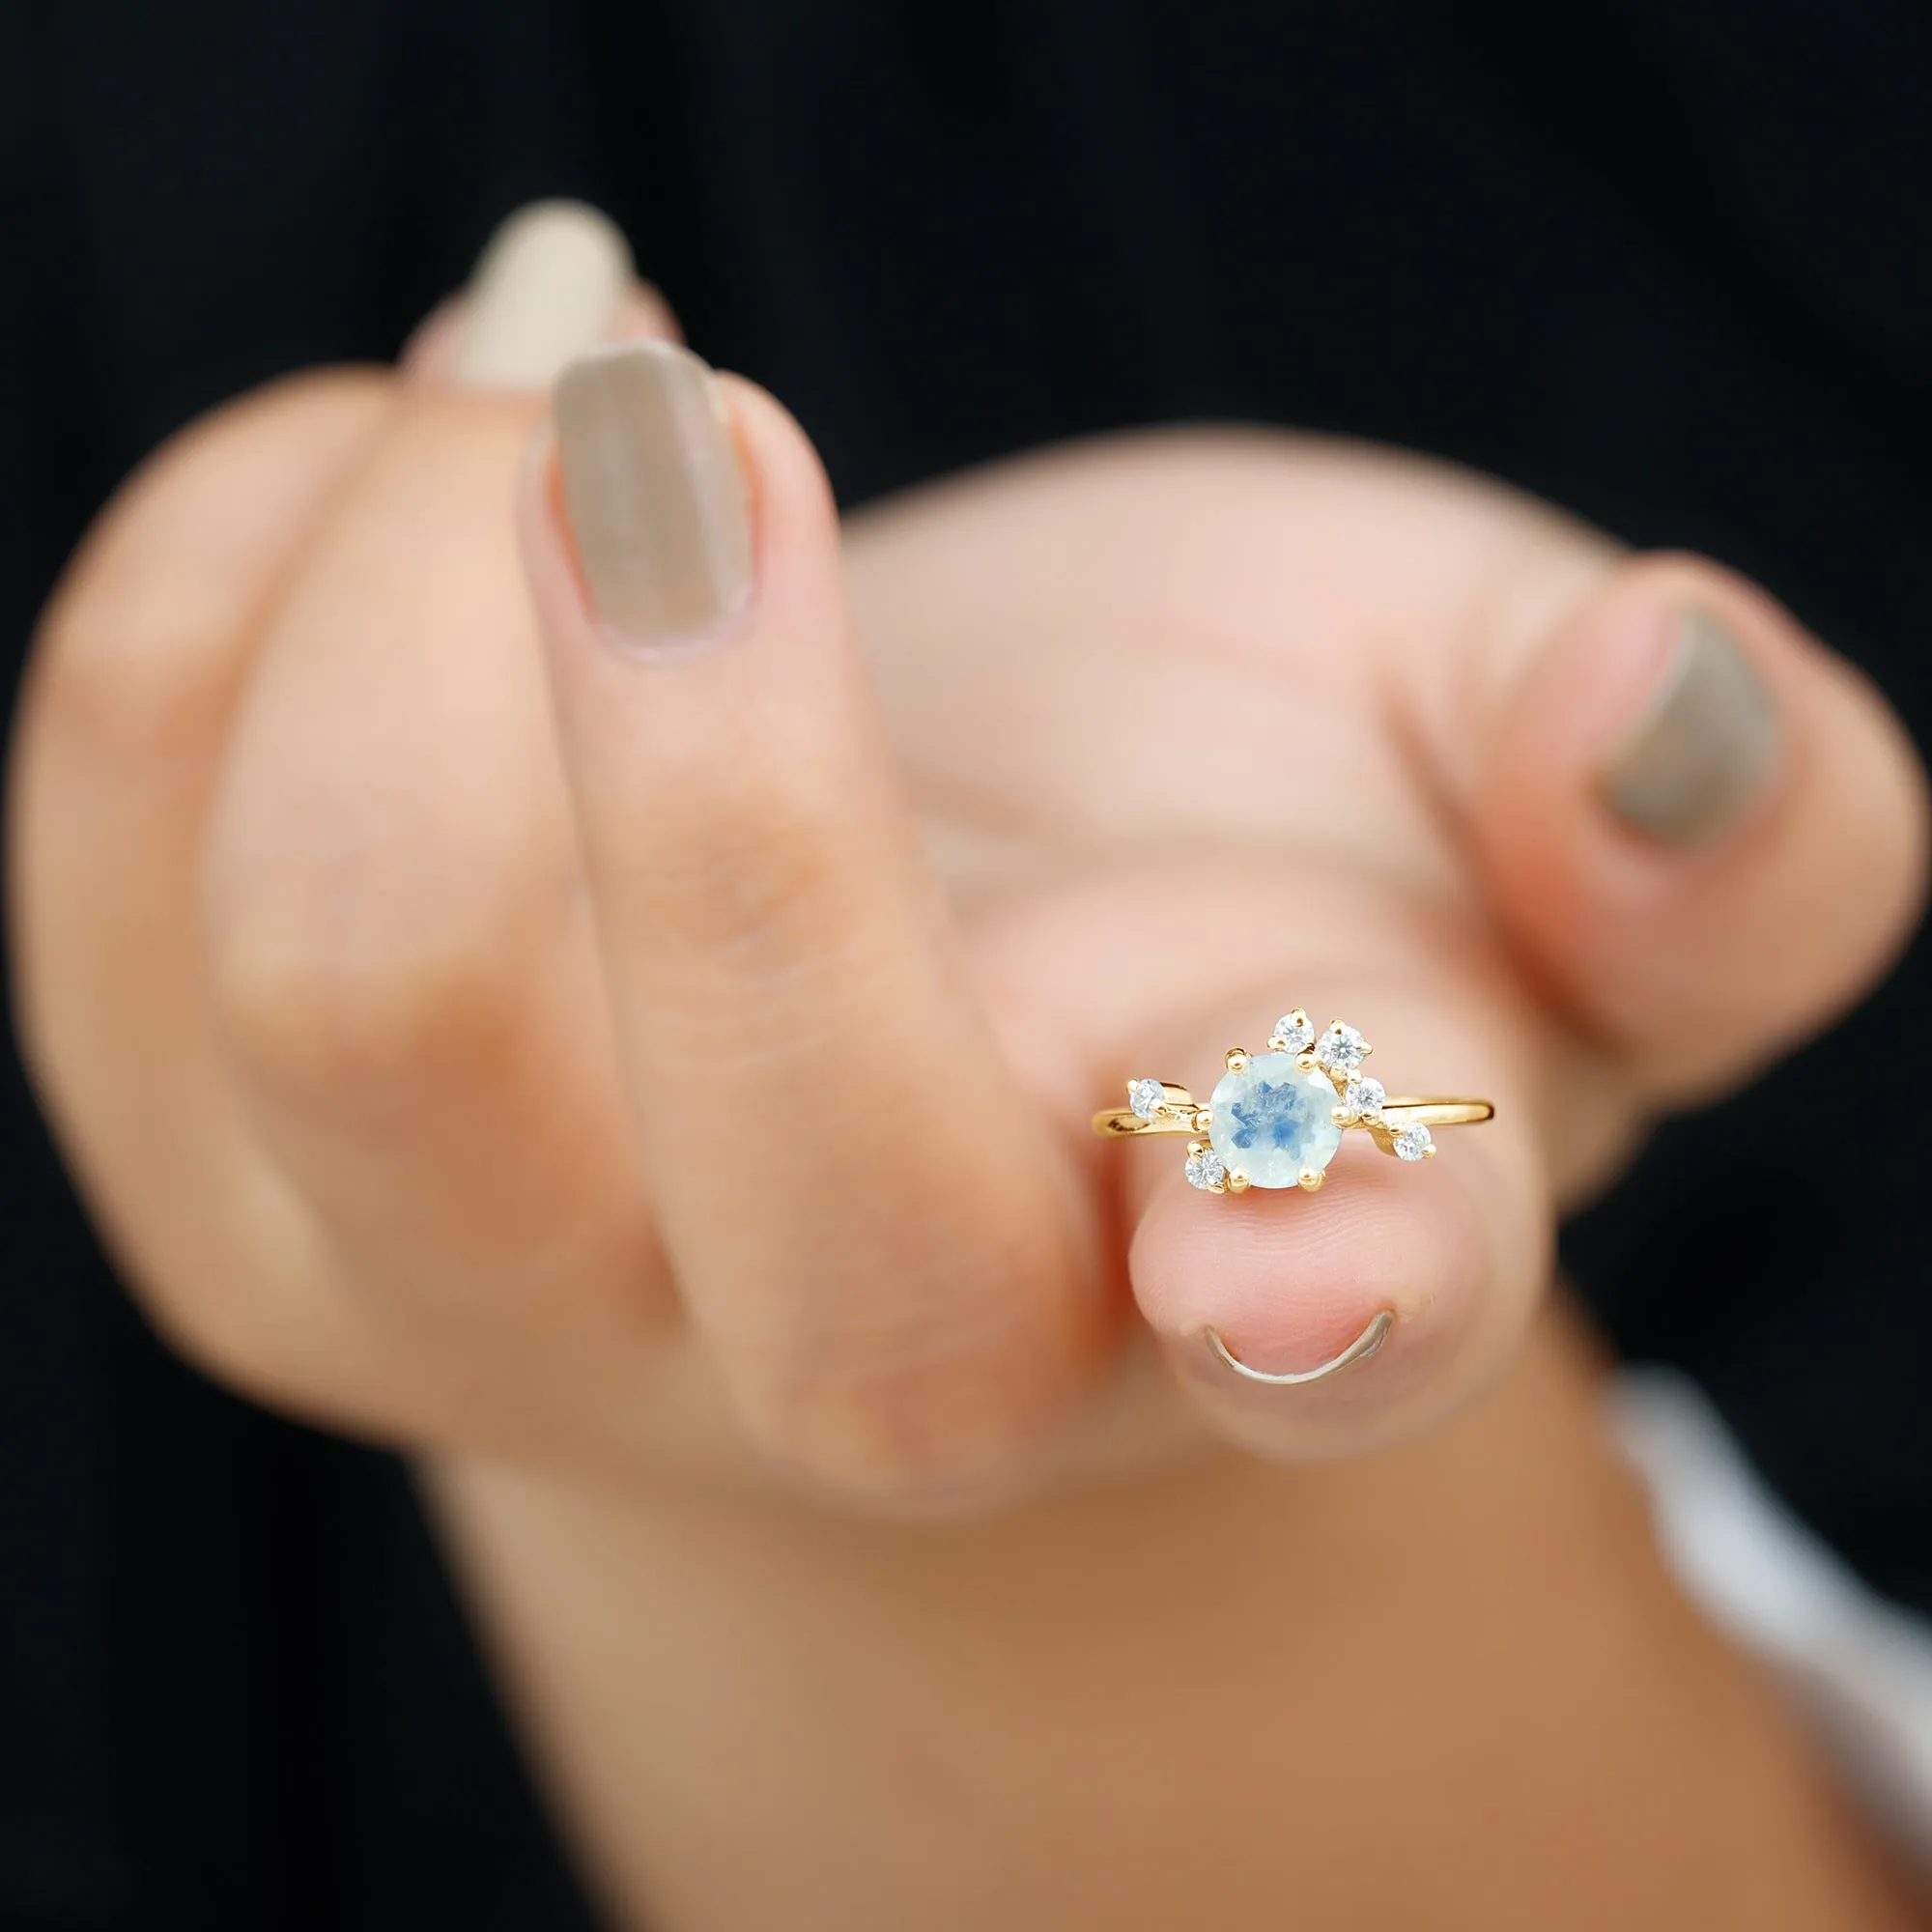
[
  {"x": 761, "y": 880},
  {"x": 148, "y": 619},
  {"x": 327, "y": 1000},
  {"x": 243, "y": 1340}
]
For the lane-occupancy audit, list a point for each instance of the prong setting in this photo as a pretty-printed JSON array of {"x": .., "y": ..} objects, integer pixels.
[
  {"x": 1293, "y": 1033},
  {"x": 1206, "y": 1169},
  {"x": 1276, "y": 1119}
]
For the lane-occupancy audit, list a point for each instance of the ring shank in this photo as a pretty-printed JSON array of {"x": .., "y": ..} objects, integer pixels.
[
  {"x": 1123, "y": 1123},
  {"x": 1440, "y": 1113}
]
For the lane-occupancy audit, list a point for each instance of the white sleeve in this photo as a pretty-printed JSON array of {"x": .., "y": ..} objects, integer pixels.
[{"x": 1859, "y": 1667}]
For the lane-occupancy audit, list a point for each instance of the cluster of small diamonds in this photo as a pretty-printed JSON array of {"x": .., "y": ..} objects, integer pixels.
[{"x": 1339, "y": 1052}]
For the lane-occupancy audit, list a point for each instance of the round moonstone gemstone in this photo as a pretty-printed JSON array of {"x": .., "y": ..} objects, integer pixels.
[{"x": 1271, "y": 1120}]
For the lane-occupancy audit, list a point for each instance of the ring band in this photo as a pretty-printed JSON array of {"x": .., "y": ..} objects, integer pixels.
[{"x": 1276, "y": 1119}]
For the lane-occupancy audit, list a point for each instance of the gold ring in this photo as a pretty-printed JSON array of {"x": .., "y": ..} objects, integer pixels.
[{"x": 1276, "y": 1119}]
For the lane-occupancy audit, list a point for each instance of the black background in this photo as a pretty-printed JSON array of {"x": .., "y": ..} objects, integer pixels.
[{"x": 1662, "y": 261}]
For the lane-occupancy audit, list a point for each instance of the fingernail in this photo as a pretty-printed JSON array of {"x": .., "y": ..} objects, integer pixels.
[
  {"x": 1703, "y": 747},
  {"x": 654, "y": 492},
  {"x": 547, "y": 287}
]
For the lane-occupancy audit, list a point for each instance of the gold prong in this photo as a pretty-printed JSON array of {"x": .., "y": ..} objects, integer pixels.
[
  {"x": 1238, "y": 1181},
  {"x": 1342, "y": 1118},
  {"x": 1429, "y": 1152},
  {"x": 1312, "y": 1179},
  {"x": 1237, "y": 1058},
  {"x": 1204, "y": 1119},
  {"x": 1307, "y": 1062}
]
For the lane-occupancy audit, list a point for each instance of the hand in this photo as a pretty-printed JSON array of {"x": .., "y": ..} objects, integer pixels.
[
  {"x": 633, "y": 1034},
  {"x": 697, "y": 1084}
]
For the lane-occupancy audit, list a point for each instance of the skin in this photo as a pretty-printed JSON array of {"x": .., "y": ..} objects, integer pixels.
[{"x": 652, "y": 1087}]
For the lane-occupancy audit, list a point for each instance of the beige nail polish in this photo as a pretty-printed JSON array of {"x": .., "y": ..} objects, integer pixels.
[
  {"x": 1703, "y": 749},
  {"x": 548, "y": 286},
  {"x": 654, "y": 490}
]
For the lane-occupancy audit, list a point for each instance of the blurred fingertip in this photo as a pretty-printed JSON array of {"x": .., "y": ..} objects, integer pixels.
[
  {"x": 1706, "y": 828},
  {"x": 1705, "y": 746},
  {"x": 548, "y": 285},
  {"x": 555, "y": 280},
  {"x": 1292, "y": 1284}
]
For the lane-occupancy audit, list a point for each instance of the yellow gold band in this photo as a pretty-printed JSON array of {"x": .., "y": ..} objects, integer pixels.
[
  {"x": 1122, "y": 1123},
  {"x": 1277, "y": 1118}
]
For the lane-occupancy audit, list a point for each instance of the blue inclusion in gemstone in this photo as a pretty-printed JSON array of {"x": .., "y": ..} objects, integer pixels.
[{"x": 1271, "y": 1120}]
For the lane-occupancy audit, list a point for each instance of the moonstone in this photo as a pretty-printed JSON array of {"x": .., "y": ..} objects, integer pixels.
[{"x": 1271, "y": 1120}]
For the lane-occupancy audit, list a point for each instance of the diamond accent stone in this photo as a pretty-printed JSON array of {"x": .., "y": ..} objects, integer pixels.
[
  {"x": 1272, "y": 1119},
  {"x": 1145, "y": 1097},
  {"x": 1206, "y": 1169},
  {"x": 1413, "y": 1142},
  {"x": 1341, "y": 1049},
  {"x": 1292, "y": 1033},
  {"x": 1363, "y": 1100}
]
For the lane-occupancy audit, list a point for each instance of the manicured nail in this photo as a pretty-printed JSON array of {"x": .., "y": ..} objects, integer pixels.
[
  {"x": 548, "y": 286},
  {"x": 654, "y": 490},
  {"x": 1702, "y": 749}
]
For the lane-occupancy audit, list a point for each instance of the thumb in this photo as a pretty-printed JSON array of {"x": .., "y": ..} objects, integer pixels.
[
  {"x": 1705, "y": 830},
  {"x": 882, "y": 1249}
]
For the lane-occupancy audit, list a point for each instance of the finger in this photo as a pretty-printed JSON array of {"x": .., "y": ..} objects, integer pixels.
[
  {"x": 1705, "y": 834},
  {"x": 1705, "y": 830},
  {"x": 403, "y": 977},
  {"x": 1517, "y": 654},
  {"x": 137, "y": 670},
  {"x": 879, "y": 1240},
  {"x": 1437, "y": 1262},
  {"x": 553, "y": 280}
]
